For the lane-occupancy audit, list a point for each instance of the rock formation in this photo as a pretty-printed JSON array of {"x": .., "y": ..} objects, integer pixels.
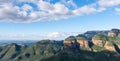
[
  {"x": 68, "y": 41},
  {"x": 82, "y": 40},
  {"x": 72, "y": 41},
  {"x": 99, "y": 39},
  {"x": 114, "y": 32},
  {"x": 109, "y": 46}
]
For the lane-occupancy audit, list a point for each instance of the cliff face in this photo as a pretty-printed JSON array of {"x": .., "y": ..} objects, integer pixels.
[
  {"x": 80, "y": 39},
  {"x": 109, "y": 46},
  {"x": 99, "y": 40},
  {"x": 69, "y": 41},
  {"x": 114, "y": 32},
  {"x": 111, "y": 34},
  {"x": 83, "y": 43}
]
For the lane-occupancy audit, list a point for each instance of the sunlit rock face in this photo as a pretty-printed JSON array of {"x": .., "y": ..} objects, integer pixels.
[
  {"x": 83, "y": 43},
  {"x": 109, "y": 46},
  {"x": 82, "y": 40},
  {"x": 111, "y": 34},
  {"x": 68, "y": 41},
  {"x": 99, "y": 40},
  {"x": 114, "y": 32},
  {"x": 71, "y": 44}
]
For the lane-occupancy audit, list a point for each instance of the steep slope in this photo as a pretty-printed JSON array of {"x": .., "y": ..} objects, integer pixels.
[
  {"x": 10, "y": 51},
  {"x": 84, "y": 56},
  {"x": 39, "y": 50}
]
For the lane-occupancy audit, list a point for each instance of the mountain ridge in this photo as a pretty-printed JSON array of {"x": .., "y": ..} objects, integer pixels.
[{"x": 89, "y": 46}]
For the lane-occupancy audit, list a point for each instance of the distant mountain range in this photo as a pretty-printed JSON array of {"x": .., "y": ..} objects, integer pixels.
[
  {"x": 89, "y": 46},
  {"x": 90, "y": 34},
  {"x": 24, "y": 42}
]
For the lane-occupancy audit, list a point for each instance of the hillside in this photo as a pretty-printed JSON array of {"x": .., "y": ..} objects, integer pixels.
[{"x": 90, "y": 46}]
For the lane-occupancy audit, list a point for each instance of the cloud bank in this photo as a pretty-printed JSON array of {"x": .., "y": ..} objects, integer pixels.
[
  {"x": 39, "y": 36},
  {"x": 27, "y": 11}
]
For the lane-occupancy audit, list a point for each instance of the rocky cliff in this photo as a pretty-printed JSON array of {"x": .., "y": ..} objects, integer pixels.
[
  {"x": 114, "y": 32},
  {"x": 95, "y": 40}
]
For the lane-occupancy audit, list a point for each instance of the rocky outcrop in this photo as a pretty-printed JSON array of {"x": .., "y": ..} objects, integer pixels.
[
  {"x": 111, "y": 34},
  {"x": 82, "y": 40},
  {"x": 68, "y": 41},
  {"x": 109, "y": 46},
  {"x": 83, "y": 43},
  {"x": 114, "y": 32},
  {"x": 100, "y": 40},
  {"x": 71, "y": 44},
  {"x": 79, "y": 39},
  {"x": 97, "y": 42}
]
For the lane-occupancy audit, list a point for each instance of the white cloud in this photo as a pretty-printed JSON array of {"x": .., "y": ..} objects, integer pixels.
[
  {"x": 26, "y": 7},
  {"x": 61, "y": 35},
  {"x": 38, "y": 36},
  {"x": 7, "y": 11},
  {"x": 6, "y": 1},
  {"x": 45, "y": 6},
  {"x": 33, "y": 1},
  {"x": 60, "y": 9},
  {"x": 69, "y": 3},
  {"x": 85, "y": 10},
  {"x": 54, "y": 35},
  {"x": 117, "y": 10},
  {"x": 108, "y": 3},
  {"x": 47, "y": 11},
  {"x": 101, "y": 9}
]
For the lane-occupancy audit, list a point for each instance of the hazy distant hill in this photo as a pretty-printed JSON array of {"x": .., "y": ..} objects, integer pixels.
[
  {"x": 90, "y": 34},
  {"x": 20, "y": 42}
]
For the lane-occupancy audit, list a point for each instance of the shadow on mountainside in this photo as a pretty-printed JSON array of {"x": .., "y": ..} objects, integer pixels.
[
  {"x": 116, "y": 48},
  {"x": 84, "y": 56}
]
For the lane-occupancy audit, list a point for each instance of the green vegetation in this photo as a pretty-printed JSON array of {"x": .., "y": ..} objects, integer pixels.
[
  {"x": 98, "y": 48},
  {"x": 110, "y": 43},
  {"x": 83, "y": 48},
  {"x": 115, "y": 40},
  {"x": 47, "y": 50},
  {"x": 51, "y": 50},
  {"x": 84, "y": 56},
  {"x": 70, "y": 38},
  {"x": 10, "y": 51},
  {"x": 81, "y": 37},
  {"x": 100, "y": 37},
  {"x": 39, "y": 50}
]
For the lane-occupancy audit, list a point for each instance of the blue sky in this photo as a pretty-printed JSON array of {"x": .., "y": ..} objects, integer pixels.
[{"x": 56, "y": 19}]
